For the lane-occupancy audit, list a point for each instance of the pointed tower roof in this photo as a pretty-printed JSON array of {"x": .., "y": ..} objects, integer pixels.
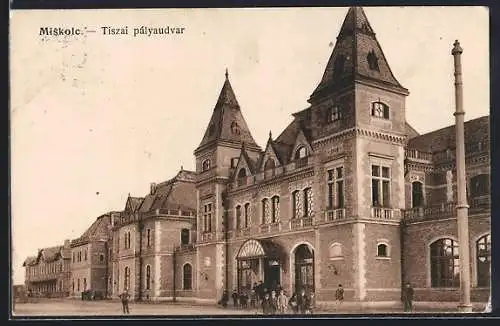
[
  {"x": 357, "y": 55},
  {"x": 227, "y": 122}
]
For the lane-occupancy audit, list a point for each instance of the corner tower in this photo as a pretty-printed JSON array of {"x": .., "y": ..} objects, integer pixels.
[{"x": 216, "y": 158}]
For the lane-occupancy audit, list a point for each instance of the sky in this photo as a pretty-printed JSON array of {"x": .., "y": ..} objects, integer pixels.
[{"x": 96, "y": 117}]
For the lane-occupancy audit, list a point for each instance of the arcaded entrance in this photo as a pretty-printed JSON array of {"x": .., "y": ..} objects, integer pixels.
[
  {"x": 258, "y": 260},
  {"x": 304, "y": 268}
]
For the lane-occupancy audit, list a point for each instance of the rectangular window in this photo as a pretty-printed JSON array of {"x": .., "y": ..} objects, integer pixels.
[
  {"x": 247, "y": 215},
  {"x": 275, "y": 209},
  {"x": 207, "y": 218},
  {"x": 381, "y": 186},
  {"x": 238, "y": 217},
  {"x": 335, "y": 188},
  {"x": 149, "y": 238},
  {"x": 266, "y": 218},
  {"x": 296, "y": 204}
]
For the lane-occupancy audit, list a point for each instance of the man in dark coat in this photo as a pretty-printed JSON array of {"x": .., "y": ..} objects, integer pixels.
[
  {"x": 302, "y": 301},
  {"x": 125, "y": 297},
  {"x": 408, "y": 297}
]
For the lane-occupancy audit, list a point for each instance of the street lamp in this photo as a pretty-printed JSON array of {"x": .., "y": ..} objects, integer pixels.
[{"x": 462, "y": 207}]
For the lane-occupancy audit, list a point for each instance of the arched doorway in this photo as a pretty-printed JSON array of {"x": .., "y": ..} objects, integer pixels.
[
  {"x": 304, "y": 268},
  {"x": 258, "y": 260}
]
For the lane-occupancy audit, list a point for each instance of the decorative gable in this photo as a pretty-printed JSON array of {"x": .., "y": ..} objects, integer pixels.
[
  {"x": 269, "y": 154},
  {"x": 301, "y": 141}
]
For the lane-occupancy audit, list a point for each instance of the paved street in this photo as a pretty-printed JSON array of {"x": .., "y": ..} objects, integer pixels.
[{"x": 110, "y": 308}]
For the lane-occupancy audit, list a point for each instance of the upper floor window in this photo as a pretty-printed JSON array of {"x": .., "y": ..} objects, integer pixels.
[
  {"x": 270, "y": 164},
  {"x": 417, "y": 194},
  {"x": 296, "y": 204},
  {"x": 234, "y": 162},
  {"x": 336, "y": 188},
  {"x": 265, "y": 211},
  {"x": 380, "y": 110},
  {"x": 101, "y": 258},
  {"x": 382, "y": 250},
  {"x": 372, "y": 60},
  {"x": 85, "y": 254},
  {"x": 184, "y": 236},
  {"x": 148, "y": 237},
  {"x": 301, "y": 156},
  {"x": 275, "y": 216},
  {"x": 335, "y": 251},
  {"x": 338, "y": 65},
  {"x": 205, "y": 166},
  {"x": 308, "y": 202},
  {"x": 334, "y": 114},
  {"x": 238, "y": 217},
  {"x": 381, "y": 194},
  {"x": 445, "y": 263},
  {"x": 127, "y": 240},
  {"x": 242, "y": 177},
  {"x": 480, "y": 185},
  {"x": 246, "y": 220},
  {"x": 207, "y": 218},
  {"x": 235, "y": 128},
  {"x": 148, "y": 277}
]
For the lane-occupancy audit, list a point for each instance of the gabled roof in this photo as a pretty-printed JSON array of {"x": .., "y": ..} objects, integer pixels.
[
  {"x": 349, "y": 61},
  {"x": 98, "y": 230},
  {"x": 227, "y": 122},
  {"x": 475, "y": 130},
  {"x": 410, "y": 131},
  {"x": 30, "y": 261},
  {"x": 270, "y": 150},
  {"x": 133, "y": 204},
  {"x": 245, "y": 158}
]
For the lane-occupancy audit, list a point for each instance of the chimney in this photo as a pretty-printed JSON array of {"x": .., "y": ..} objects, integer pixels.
[
  {"x": 153, "y": 188},
  {"x": 66, "y": 244}
]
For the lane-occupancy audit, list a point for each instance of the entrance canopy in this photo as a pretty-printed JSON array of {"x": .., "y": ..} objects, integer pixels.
[{"x": 253, "y": 248}]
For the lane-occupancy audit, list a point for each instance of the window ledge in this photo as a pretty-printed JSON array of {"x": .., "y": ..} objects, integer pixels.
[
  {"x": 382, "y": 258},
  {"x": 337, "y": 258}
]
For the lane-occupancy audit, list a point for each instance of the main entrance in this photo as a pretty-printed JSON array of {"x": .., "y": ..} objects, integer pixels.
[
  {"x": 304, "y": 268},
  {"x": 258, "y": 261}
]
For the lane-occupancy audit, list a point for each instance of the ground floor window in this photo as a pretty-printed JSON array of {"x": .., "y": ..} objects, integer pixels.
[
  {"x": 187, "y": 273},
  {"x": 445, "y": 264},
  {"x": 304, "y": 268},
  {"x": 483, "y": 253}
]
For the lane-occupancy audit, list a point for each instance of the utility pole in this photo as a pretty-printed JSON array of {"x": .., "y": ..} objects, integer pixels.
[{"x": 462, "y": 207}]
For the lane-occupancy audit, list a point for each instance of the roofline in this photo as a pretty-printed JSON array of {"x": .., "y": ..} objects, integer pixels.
[{"x": 450, "y": 126}]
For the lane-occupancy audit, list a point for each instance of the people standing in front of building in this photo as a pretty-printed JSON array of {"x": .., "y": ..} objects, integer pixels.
[
  {"x": 266, "y": 304},
  {"x": 274, "y": 303},
  {"x": 235, "y": 298},
  {"x": 253, "y": 297},
  {"x": 408, "y": 297},
  {"x": 225, "y": 299},
  {"x": 302, "y": 301},
  {"x": 125, "y": 296},
  {"x": 339, "y": 294},
  {"x": 293, "y": 303},
  {"x": 282, "y": 302}
]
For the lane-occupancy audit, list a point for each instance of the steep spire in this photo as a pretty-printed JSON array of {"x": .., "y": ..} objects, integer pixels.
[
  {"x": 357, "y": 55},
  {"x": 227, "y": 122}
]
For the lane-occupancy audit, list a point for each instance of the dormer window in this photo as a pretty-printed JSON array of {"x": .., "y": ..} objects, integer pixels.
[
  {"x": 372, "y": 61},
  {"x": 205, "y": 166},
  {"x": 234, "y": 162},
  {"x": 235, "y": 128},
  {"x": 334, "y": 114},
  {"x": 270, "y": 164},
  {"x": 380, "y": 110},
  {"x": 338, "y": 66},
  {"x": 242, "y": 177},
  {"x": 301, "y": 157}
]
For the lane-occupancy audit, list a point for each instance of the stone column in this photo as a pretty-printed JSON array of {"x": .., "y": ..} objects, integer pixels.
[{"x": 462, "y": 207}]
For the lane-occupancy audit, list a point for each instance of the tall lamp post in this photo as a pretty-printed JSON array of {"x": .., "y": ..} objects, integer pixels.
[{"x": 462, "y": 207}]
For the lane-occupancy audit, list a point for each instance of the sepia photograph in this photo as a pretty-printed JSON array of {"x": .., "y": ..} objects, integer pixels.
[{"x": 250, "y": 162}]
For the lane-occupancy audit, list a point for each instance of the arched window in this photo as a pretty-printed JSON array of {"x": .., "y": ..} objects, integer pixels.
[
  {"x": 101, "y": 258},
  {"x": 270, "y": 164},
  {"x": 335, "y": 251},
  {"x": 265, "y": 211},
  {"x": 205, "y": 165},
  {"x": 184, "y": 236},
  {"x": 84, "y": 284},
  {"x": 372, "y": 60},
  {"x": 483, "y": 254},
  {"x": 417, "y": 194},
  {"x": 238, "y": 217},
  {"x": 382, "y": 250},
  {"x": 246, "y": 223},
  {"x": 187, "y": 272},
  {"x": 445, "y": 263},
  {"x": 380, "y": 110},
  {"x": 479, "y": 185},
  {"x": 275, "y": 216},
  {"x": 301, "y": 157},
  {"x": 148, "y": 277},
  {"x": 242, "y": 177}
]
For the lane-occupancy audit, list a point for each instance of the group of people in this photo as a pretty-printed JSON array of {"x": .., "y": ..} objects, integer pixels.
[{"x": 272, "y": 301}]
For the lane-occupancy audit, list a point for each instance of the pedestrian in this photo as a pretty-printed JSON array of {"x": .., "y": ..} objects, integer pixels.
[
  {"x": 125, "y": 297},
  {"x": 339, "y": 294},
  {"x": 253, "y": 298},
  {"x": 310, "y": 303},
  {"x": 282, "y": 302},
  {"x": 235, "y": 298},
  {"x": 293, "y": 303},
  {"x": 408, "y": 297},
  {"x": 260, "y": 291},
  {"x": 266, "y": 304},
  {"x": 302, "y": 301},
  {"x": 273, "y": 303},
  {"x": 225, "y": 299}
]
